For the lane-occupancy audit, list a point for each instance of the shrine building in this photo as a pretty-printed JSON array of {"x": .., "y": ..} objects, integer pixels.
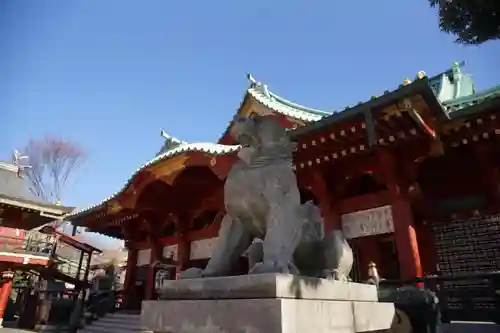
[
  {"x": 29, "y": 244},
  {"x": 410, "y": 176}
]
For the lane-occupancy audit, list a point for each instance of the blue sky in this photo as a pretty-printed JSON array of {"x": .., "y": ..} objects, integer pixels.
[{"x": 110, "y": 74}]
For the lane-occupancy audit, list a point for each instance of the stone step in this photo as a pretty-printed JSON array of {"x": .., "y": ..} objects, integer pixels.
[
  {"x": 95, "y": 329},
  {"x": 116, "y": 330},
  {"x": 124, "y": 315},
  {"x": 111, "y": 324},
  {"x": 52, "y": 329},
  {"x": 91, "y": 329},
  {"x": 119, "y": 319},
  {"x": 115, "y": 323}
]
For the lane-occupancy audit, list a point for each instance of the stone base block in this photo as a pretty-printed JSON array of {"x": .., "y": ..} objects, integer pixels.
[
  {"x": 266, "y": 303},
  {"x": 266, "y": 316},
  {"x": 267, "y": 286}
]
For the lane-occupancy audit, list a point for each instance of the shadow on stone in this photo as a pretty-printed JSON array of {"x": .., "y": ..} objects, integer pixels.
[{"x": 299, "y": 281}]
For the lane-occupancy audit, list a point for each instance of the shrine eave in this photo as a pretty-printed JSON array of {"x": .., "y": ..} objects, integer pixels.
[
  {"x": 420, "y": 86},
  {"x": 286, "y": 108},
  {"x": 259, "y": 92},
  {"x": 206, "y": 148},
  {"x": 41, "y": 213},
  {"x": 55, "y": 211},
  {"x": 470, "y": 105}
]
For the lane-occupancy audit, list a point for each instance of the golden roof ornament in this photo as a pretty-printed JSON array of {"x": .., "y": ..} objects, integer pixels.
[
  {"x": 420, "y": 75},
  {"x": 406, "y": 82}
]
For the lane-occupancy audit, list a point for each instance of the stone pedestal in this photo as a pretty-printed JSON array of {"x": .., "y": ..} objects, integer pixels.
[{"x": 266, "y": 303}]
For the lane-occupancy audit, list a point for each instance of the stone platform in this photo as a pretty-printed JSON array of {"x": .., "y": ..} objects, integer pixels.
[{"x": 266, "y": 303}]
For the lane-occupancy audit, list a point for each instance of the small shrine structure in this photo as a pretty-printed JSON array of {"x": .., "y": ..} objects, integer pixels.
[{"x": 45, "y": 252}]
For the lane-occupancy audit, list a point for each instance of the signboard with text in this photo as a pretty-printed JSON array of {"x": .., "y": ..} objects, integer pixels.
[{"x": 370, "y": 222}]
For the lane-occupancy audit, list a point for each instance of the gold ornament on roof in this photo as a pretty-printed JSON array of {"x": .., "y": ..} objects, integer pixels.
[
  {"x": 421, "y": 75},
  {"x": 406, "y": 82}
]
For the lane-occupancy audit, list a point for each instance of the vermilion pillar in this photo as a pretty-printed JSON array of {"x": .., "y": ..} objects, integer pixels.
[
  {"x": 331, "y": 216},
  {"x": 404, "y": 231},
  {"x": 4, "y": 297},
  {"x": 406, "y": 239}
]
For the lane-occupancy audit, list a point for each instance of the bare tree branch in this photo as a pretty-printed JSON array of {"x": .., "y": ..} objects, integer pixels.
[{"x": 53, "y": 161}]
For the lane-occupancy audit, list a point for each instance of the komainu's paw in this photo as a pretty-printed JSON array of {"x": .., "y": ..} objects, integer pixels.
[
  {"x": 261, "y": 268},
  {"x": 191, "y": 273},
  {"x": 271, "y": 267},
  {"x": 335, "y": 274}
]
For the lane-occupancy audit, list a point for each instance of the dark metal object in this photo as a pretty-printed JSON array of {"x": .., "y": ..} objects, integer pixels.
[
  {"x": 420, "y": 305},
  {"x": 477, "y": 299}
]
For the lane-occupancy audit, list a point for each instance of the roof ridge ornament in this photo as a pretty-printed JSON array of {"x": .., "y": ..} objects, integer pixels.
[
  {"x": 456, "y": 71},
  {"x": 251, "y": 80},
  {"x": 258, "y": 85},
  {"x": 170, "y": 143},
  {"x": 17, "y": 161},
  {"x": 456, "y": 67},
  {"x": 166, "y": 136}
]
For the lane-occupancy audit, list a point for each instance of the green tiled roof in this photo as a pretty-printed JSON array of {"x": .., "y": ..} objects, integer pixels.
[
  {"x": 260, "y": 93},
  {"x": 419, "y": 86},
  {"x": 452, "y": 84},
  {"x": 280, "y": 105},
  {"x": 458, "y": 104}
]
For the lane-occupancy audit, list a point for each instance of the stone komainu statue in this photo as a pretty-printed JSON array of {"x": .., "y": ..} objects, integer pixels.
[{"x": 262, "y": 201}]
